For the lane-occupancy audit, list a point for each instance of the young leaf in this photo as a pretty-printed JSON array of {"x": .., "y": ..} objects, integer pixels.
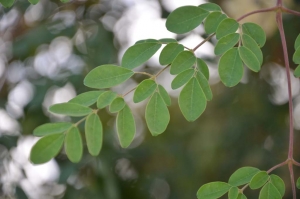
[
  {"x": 249, "y": 58},
  {"x": 164, "y": 94},
  {"x": 46, "y": 148},
  {"x": 157, "y": 115},
  {"x": 125, "y": 126},
  {"x": 168, "y": 40},
  {"x": 70, "y": 109},
  {"x": 205, "y": 86},
  {"x": 73, "y": 145},
  {"x": 93, "y": 134},
  {"x": 213, "y": 190},
  {"x": 226, "y": 27},
  {"x": 242, "y": 176},
  {"x": 203, "y": 68},
  {"x": 192, "y": 100},
  {"x": 182, "y": 62},
  {"x": 139, "y": 54},
  {"x": 185, "y": 19},
  {"x": 269, "y": 191},
  {"x": 259, "y": 180},
  {"x": 231, "y": 68},
  {"x": 87, "y": 98},
  {"x": 296, "y": 56},
  {"x": 107, "y": 76},
  {"x": 169, "y": 52},
  {"x": 144, "y": 90},
  {"x": 105, "y": 99},
  {"x": 226, "y": 43},
  {"x": 212, "y": 22},
  {"x": 147, "y": 41},
  {"x": 298, "y": 183},
  {"x": 210, "y": 7},
  {"x": 33, "y": 1},
  {"x": 51, "y": 128},
  {"x": 256, "y": 32},
  {"x": 182, "y": 78},
  {"x": 278, "y": 183},
  {"x": 233, "y": 193},
  {"x": 117, "y": 105},
  {"x": 252, "y": 45},
  {"x": 297, "y": 42},
  {"x": 7, "y": 3},
  {"x": 297, "y": 71}
]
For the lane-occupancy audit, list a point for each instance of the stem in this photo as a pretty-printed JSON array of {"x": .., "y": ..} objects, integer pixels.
[
  {"x": 258, "y": 11},
  {"x": 290, "y": 11},
  {"x": 205, "y": 40},
  {"x": 162, "y": 70},
  {"x": 144, "y": 73},
  {"x": 129, "y": 91},
  {"x": 292, "y": 180}
]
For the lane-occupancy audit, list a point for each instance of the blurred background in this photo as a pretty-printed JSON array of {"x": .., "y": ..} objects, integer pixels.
[{"x": 47, "y": 49}]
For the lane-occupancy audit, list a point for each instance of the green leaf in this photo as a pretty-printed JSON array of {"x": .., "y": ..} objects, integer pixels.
[
  {"x": 256, "y": 32},
  {"x": 233, "y": 193},
  {"x": 296, "y": 56},
  {"x": 185, "y": 19},
  {"x": 139, "y": 54},
  {"x": 231, "y": 68},
  {"x": 213, "y": 190},
  {"x": 297, "y": 71},
  {"x": 46, "y": 148},
  {"x": 297, "y": 42},
  {"x": 70, "y": 109},
  {"x": 169, "y": 52},
  {"x": 242, "y": 176},
  {"x": 87, "y": 98},
  {"x": 105, "y": 99},
  {"x": 192, "y": 100},
  {"x": 269, "y": 191},
  {"x": 51, "y": 128},
  {"x": 252, "y": 45},
  {"x": 73, "y": 145},
  {"x": 204, "y": 85},
  {"x": 93, "y": 134},
  {"x": 147, "y": 41},
  {"x": 157, "y": 115},
  {"x": 164, "y": 94},
  {"x": 249, "y": 58},
  {"x": 144, "y": 90},
  {"x": 168, "y": 40},
  {"x": 203, "y": 68},
  {"x": 117, "y": 105},
  {"x": 182, "y": 62},
  {"x": 65, "y": 1},
  {"x": 210, "y": 7},
  {"x": 226, "y": 27},
  {"x": 125, "y": 126},
  {"x": 259, "y": 180},
  {"x": 241, "y": 196},
  {"x": 298, "y": 183},
  {"x": 33, "y": 1},
  {"x": 278, "y": 183},
  {"x": 107, "y": 76},
  {"x": 7, "y": 3},
  {"x": 226, "y": 43},
  {"x": 212, "y": 22},
  {"x": 182, "y": 78}
]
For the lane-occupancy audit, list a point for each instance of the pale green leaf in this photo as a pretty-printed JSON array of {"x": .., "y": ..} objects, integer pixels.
[
  {"x": 70, "y": 109},
  {"x": 249, "y": 58},
  {"x": 93, "y": 134},
  {"x": 242, "y": 176},
  {"x": 138, "y": 54},
  {"x": 87, "y": 98},
  {"x": 125, "y": 126},
  {"x": 231, "y": 68},
  {"x": 51, "y": 128},
  {"x": 147, "y": 41},
  {"x": 256, "y": 32},
  {"x": 296, "y": 56},
  {"x": 105, "y": 99},
  {"x": 252, "y": 45},
  {"x": 182, "y": 78},
  {"x": 185, "y": 19},
  {"x": 297, "y": 71},
  {"x": 297, "y": 42},
  {"x": 210, "y": 7},
  {"x": 33, "y": 1},
  {"x": 259, "y": 179},
  {"x": 157, "y": 115},
  {"x": 205, "y": 86},
  {"x": 226, "y": 43},
  {"x": 269, "y": 191},
  {"x": 117, "y": 105},
  {"x": 298, "y": 183},
  {"x": 7, "y": 3},
  {"x": 213, "y": 190},
  {"x": 233, "y": 193},
  {"x": 278, "y": 183},
  {"x": 73, "y": 145},
  {"x": 46, "y": 148},
  {"x": 182, "y": 62},
  {"x": 144, "y": 90},
  {"x": 169, "y": 52},
  {"x": 226, "y": 27},
  {"x": 203, "y": 68},
  {"x": 107, "y": 76},
  {"x": 192, "y": 100},
  {"x": 168, "y": 40},
  {"x": 212, "y": 22},
  {"x": 164, "y": 94}
]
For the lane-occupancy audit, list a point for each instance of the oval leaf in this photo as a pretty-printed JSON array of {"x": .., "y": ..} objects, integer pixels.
[
  {"x": 205, "y": 86},
  {"x": 226, "y": 27},
  {"x": 164, "y": 94},
  {"x": 182, "y": 78},
  {"x": 269, "y": 191},
  {"x": 226, "y": 43},
  {"x": 213, "y": 190},
  {"x": 117, "y": 105},
  {"x": 249, "y": 58},
  {"x": 145, "y": 89},
  {"x": 242, "y": 176},
  {"x": 259, "y": 180},
  {"x": 182, "y": 62},
  {"x": 33, "y": 1},
  {"x": 169, "y": 52},
  {"x": 7, "y": 3},
  {"x": 192, "y": 100},
  {"x": 298, "y": 183},
  {"x": 93, "y": 134},
  {"x": 233, "y": 193},
  {"x": 296, "y": 56},
  {"x": 241, "y": 196},
  {"x": 87, "y": 98},
  {"x": 256, "y": 32},
  {"x": 278, "y": 183},
  {"x": 51, "y": 128},
  {"x": 210, "y": 7},
  {"x": 105, "y": 99},
  {"x": 231, "y": 68},
  {"x": 252, "y": 45},
  {"x": 168, "y": 40},
  {"x": 297, "y": 71},
  {"x": 73, "y": 145},
  {"x": 70, "y": 109},
  {"x": 125, "y": 126},
  {"x": 46, "y": 148},
  {"x": 203, "y": 68},
  {"x": 107, "y": 76},
  {"x": 297, "y": 42},
  {"x": 147, "y": 41},
  {"x": 212, "y": 22},
  {"x": 185, "y": 19}
]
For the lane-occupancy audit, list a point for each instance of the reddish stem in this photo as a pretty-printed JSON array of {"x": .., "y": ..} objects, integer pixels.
[
  {"x": 290, "y": 11},
  {"x": 292, "y": 180},
  {"x": 258, "y": 11}
]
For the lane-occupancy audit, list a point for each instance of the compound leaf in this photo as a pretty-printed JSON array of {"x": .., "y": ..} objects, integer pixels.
[
  {"x": 70, "y": 109},
  {"x": 93, "y": 134},
  {"x": 145, "y": 89},
  {"x": 233, "y": 193},
  {"x": 269, "y": 191},
  {"x": 7, "y": 3},
  {"x": 242, "y": 176},
  {"x": 249, "y": 58},
  {"x": 259, "y": 180},
  {"x": 204, "y": 85},
  {"x": 226, "y": 27},
  {"x": 117, "y": 105},
  {"x": 73, "y": 145},
  {"x": 87, "y": 98},
  {"x": 252, "y": 45},
  {"x": 51, "y": 128},
  {"x": 256, "y": 32},
  {"x": 226, "y": 43},
  {"x": 278, "y": 183},
  {"x": 182, "y": 78},
  {"x": 213, "y": 190},
  {"x": 203, "y": 68},
  {"x": 164, "y": 94},
  {"x": 105, "y": 99},
  {"x": 297, "y": 71},
  {"x": 182, "y": 62},
  {"x": 210, "y": 7},
  {"x": 169, "y": 52},
  {"x": 297, "y": 42},
  {"x": 212, "y": 22}
]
